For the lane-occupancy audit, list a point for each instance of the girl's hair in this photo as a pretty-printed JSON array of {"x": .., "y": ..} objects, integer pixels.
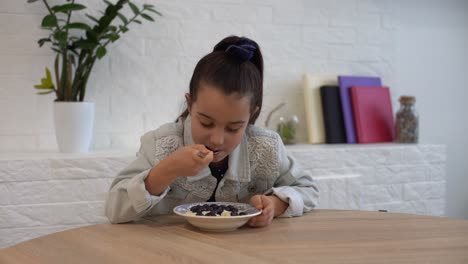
[{"x": 234, "y": 66}]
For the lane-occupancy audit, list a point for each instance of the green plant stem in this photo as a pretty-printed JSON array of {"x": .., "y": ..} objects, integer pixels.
[
  {"x": 67, "y": 74},
  {"x": 63, "y": 78},
  {"x": 50, "y": 12},
  {"x": 82, "y": 74},
  {"x": 125, "y": 25},
  {"x": 69, "y": 17},
  {"x": 56, "y": 70},
  {"x": 48, "y": 7},
  {"x": 85, "y": 65},
  {"x": 69, "y": 77},
  {"x": 58, "y": 91},
  {"x": 79, "y": 69},
  {"x": 83, "y": 91},
  {"x": 83, "y": 69},
  {"x": 63, "y": 51}
]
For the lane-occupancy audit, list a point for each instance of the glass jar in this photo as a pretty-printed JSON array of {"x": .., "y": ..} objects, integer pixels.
[
  {"x": 287, "y": 129},
  {"x": 407, "y": 121}
]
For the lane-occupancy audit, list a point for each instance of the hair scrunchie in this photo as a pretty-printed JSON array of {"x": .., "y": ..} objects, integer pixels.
[{"x": 244, "y": 50}]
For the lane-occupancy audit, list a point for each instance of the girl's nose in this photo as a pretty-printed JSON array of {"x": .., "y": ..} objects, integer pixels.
[{"x": 217, "y": 137}]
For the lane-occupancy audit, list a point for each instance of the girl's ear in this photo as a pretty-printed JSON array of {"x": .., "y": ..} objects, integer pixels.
[
  {"x": 256, "y": 110},
  {"x": 189, "y": 103}
]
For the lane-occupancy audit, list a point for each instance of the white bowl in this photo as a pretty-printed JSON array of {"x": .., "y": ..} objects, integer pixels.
[{"x": 218, "y": 223}]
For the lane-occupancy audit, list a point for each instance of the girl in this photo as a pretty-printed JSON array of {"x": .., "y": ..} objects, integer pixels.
[{"x": 214, "y": 152}]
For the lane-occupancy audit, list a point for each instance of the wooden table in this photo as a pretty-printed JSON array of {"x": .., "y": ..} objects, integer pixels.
[{"x": 322, "y": 236}]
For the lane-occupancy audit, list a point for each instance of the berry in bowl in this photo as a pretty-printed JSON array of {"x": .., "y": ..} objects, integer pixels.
[{"x": 217, "y": 216}]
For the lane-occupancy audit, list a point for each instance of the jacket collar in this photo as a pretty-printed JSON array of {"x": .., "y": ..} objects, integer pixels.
[{"x": 239, "y": 165}]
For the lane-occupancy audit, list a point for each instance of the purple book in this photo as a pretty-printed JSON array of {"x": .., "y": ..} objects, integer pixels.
[{"x": 347, "y": 82}]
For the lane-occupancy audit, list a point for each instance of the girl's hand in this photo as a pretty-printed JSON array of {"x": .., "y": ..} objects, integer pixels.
[
  {"x": 262, "y": 202},
  {"x": 189, "y": 160},
  {"x": 271, "y": 207},
  {"x": 186, "y": 161}
]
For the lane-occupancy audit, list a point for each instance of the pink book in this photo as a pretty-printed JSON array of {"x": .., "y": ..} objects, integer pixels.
[{"x": 373, "y": 114}]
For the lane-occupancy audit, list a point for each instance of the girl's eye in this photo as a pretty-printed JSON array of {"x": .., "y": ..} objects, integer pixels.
[
  {"x": 232, "y": 130},
  {"x": 206, "y": 124}
]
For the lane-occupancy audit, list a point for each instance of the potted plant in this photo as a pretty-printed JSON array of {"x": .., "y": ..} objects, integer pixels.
[{"x": 78, "y": 44}]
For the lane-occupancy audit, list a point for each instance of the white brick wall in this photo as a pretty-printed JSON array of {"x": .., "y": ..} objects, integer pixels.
[
  {"x": 45, "y": 193},
  {"x": 392, "y": 177},
  {"x": 140, "y": 84}
]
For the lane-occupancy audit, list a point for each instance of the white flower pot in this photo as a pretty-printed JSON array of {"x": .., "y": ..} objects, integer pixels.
[{"x": 73, "y": 126}]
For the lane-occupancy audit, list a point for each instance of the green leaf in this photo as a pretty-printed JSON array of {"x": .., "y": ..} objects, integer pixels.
[
  {"x": 68, "y": 7},
  {"x": 112, "y": 36},
  {"x": 77, "y": 26},
  {"x": 154, "y": 11},
  {"x": 123, "y": 18},
  {"x": 46, "y": 83},
  {"x": 92, "y": 18},
  {"x": 49, "y": 21},
  {"x": 123, "y": 28},
  {"x": 48, "y": 92},
  {"x": 92, "y": 36},
  {"x": 108, "y": 3},
  {"x": 145, "y": 16},
  {"x": 100, "y": 52},
  {"x": 85, "y": 44},
  {"x": 111, "y": 28},
  {"x": 49, "y": 77},
  {"x": 134, "y": 8},
  {"x": 61, "y": 36},
  {"x": 147, "y": 6},
  {"x": 32, "y": 1},
  {"x": 42, "y": 41},
  {"x": 137, "y": 21},
  {"x": 40, "y": 86}
]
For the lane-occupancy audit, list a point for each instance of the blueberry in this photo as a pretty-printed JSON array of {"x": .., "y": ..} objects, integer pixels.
[
  {"x": 211, "y": 213},
  {"x": 215, "y": 209}
]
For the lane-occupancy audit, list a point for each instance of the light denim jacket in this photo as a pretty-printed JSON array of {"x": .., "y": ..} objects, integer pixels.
[{"x": 258, "y": 165}]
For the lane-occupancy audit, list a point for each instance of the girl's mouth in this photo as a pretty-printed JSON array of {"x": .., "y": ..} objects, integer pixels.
[{"x": 215, "y": 152}]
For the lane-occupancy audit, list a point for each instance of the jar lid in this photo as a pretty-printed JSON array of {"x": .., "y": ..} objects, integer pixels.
[{"x": 407, "y": 99}]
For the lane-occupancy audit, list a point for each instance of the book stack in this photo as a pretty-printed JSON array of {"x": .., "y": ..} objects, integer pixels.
[{"x": 348, "y": 109}]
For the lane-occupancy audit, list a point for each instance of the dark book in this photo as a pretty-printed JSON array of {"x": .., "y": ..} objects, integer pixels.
[{"x": 332, "y": 114}]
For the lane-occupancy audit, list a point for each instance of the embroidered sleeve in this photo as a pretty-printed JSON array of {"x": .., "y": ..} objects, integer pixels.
[{"x": 165, "y": 146}]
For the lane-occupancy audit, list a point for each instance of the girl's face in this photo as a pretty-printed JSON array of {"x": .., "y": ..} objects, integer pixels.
[{"x": 218, "y": 120}]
